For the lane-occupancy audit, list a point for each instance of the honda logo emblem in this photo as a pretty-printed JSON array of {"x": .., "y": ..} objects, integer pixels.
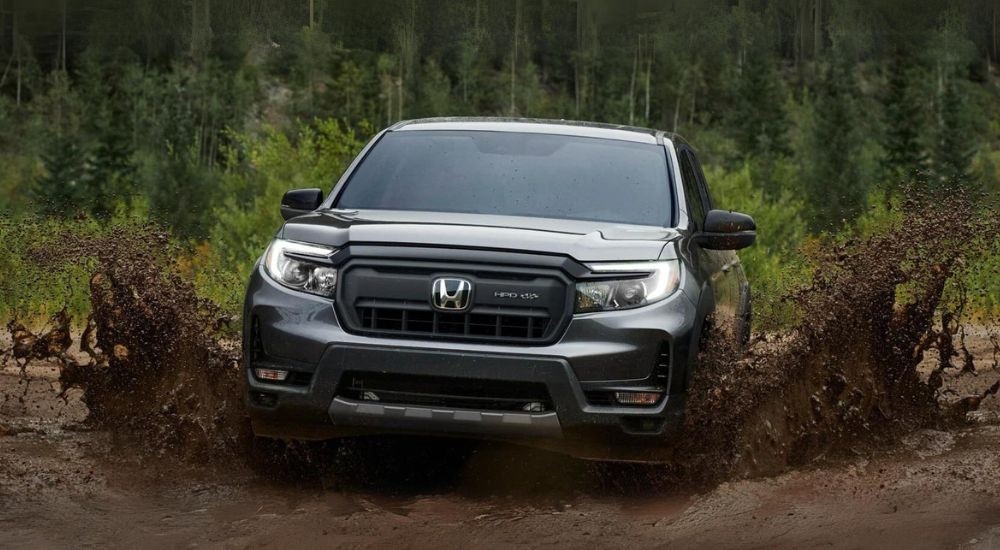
[{"x": 451, "y": 294}]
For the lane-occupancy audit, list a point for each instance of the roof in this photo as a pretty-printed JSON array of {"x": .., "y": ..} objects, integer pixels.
[{"x": 537, "y": 126}]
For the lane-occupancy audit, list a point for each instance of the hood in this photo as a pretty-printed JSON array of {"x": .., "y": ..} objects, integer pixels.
[{"x": 585, "y": 241}]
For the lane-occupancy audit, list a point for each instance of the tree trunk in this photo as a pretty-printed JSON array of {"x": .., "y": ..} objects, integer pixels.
[
  {"x": 818, "y": 29},
  {"x": 579, "y": 55},
  {"x": 649, "y": 78},
  {"x": 312, "y": 14},
  {"x": 17, "y": 53},
  {"x": 406, "y": 37},
  {"x": 677, "y": 113},
  {"x": 399, "y": 98},
  {"x": 993, "y": 43},
  {"x": 741, "y": 56},
  {"x": 201, "y": 29},
  {"x": 6, "y": 71},
  {"x": 399, "y": 93},
  {"x": 694, "y": 105},
  {"x": 3, "y": 28},
  {"x": 63, "y": 38},
  {"x": 513, "y": 60},
  {"x": 387, "y": 91},
  {"x": 801, "y": 25},
  {"x": 631, "y": 86},
  {"x": 680, "y": 96}
]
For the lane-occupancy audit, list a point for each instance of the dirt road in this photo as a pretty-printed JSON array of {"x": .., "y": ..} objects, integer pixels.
[{"x": 63, "y": 486}]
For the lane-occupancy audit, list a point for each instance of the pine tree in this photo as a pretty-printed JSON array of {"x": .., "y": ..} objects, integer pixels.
[
  {"x": 955, "y": 143},
  {"x": 110, "y": 172},
  {"x": 905, "y": 157},
  {"x": 760, "y": 122},
  {"x": 60, "y": 190},
  {"x": 837, "y": 193},
  {"x": 759, "y": 119},
  {"x": 435, "y": 91}
]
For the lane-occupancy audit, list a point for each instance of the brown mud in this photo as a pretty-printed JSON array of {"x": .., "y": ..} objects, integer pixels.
[
  {"x": 64, "y": 484},
  {"x": 879, "y": 394},
  {"x": 156, "y": 368},
  {"x": 849, "y": 369}
]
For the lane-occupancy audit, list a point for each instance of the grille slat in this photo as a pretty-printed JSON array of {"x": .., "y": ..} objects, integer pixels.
[{"x": 405, "y": 320}]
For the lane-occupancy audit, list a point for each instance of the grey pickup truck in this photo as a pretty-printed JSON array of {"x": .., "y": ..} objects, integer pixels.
[{"x": 544, "y": 283}]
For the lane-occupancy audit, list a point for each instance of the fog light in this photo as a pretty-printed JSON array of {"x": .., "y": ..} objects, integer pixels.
[
  {"x": 534, "y": 407},
  {"x": 273, "y": 375},
  {"x": 369, "y": 396},
  {"x": 638, "y": 398}
]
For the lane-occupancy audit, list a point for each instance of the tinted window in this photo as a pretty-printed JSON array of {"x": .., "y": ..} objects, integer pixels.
[
  {"x": 706, "y": 195},
  {"x": 696, "y": 208},
  {"x": 515, "y": 174}
]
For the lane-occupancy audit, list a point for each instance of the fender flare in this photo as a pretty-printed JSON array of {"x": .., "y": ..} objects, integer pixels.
[{"x": 704, "y": 308}]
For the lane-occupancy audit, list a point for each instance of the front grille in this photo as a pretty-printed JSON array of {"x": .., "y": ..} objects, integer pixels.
[
  {"x": 419, "y": 320},
  {"x": 439, "y": 391},
  {"x": 517, "y": 305}
]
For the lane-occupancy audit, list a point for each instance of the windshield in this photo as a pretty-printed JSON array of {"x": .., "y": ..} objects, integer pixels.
[{"x": 513, "y": 174}]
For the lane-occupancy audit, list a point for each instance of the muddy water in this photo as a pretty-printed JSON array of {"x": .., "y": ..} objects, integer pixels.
[
  {"x": 152, "y": 363},
  {"x": 158, "y": 370},
  {"x": 63, "y": 484},
  {"x": 847, "y": 372}
]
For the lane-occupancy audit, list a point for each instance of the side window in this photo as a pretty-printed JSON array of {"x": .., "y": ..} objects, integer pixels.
[
  {"x": 706, "y": 196},
  {"x": 692, "y": 192}
]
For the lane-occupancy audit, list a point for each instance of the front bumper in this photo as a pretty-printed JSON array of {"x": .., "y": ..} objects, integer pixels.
[{"x": 597, "y": 354}]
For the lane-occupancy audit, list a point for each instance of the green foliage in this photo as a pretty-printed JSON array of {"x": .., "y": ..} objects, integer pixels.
[
  {"x": 773, "y": 263},
  {"x": 187, "y": 112},
  {"x": 835, "y": 190},
  {"x": 955, "y": 145},
  {"x": 19, "y": 173},
  {"x": 247, "y": 213},
  {"x": 435, "y": 91},
  {"x": 758, "y": 116},
  {"x": 30, "y": 289},
  {"x": 62, "y": 190},
  {"x": 905, "y": 124}
]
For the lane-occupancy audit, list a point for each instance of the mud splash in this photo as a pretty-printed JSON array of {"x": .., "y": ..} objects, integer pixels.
[
  {"x": 163, "y": 373},
  {"x": 160, "y": 371},
  {"x": 847, "y": 372}
]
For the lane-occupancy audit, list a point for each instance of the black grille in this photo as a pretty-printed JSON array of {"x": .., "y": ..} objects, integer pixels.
[
  {"x": 439, "y": 391},
  {"x": 524, "y": 305},
  {"x": 405, "y": 319}
]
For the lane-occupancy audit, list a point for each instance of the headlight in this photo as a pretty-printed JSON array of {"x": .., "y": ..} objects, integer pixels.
[
  {"x": 287, "y": 262},
  {"x": 649, "y": 282}
]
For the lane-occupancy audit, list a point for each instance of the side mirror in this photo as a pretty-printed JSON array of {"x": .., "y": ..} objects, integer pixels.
[
  {"x": 726, "y": 230},
  {"x": 300, "y": 201}
]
